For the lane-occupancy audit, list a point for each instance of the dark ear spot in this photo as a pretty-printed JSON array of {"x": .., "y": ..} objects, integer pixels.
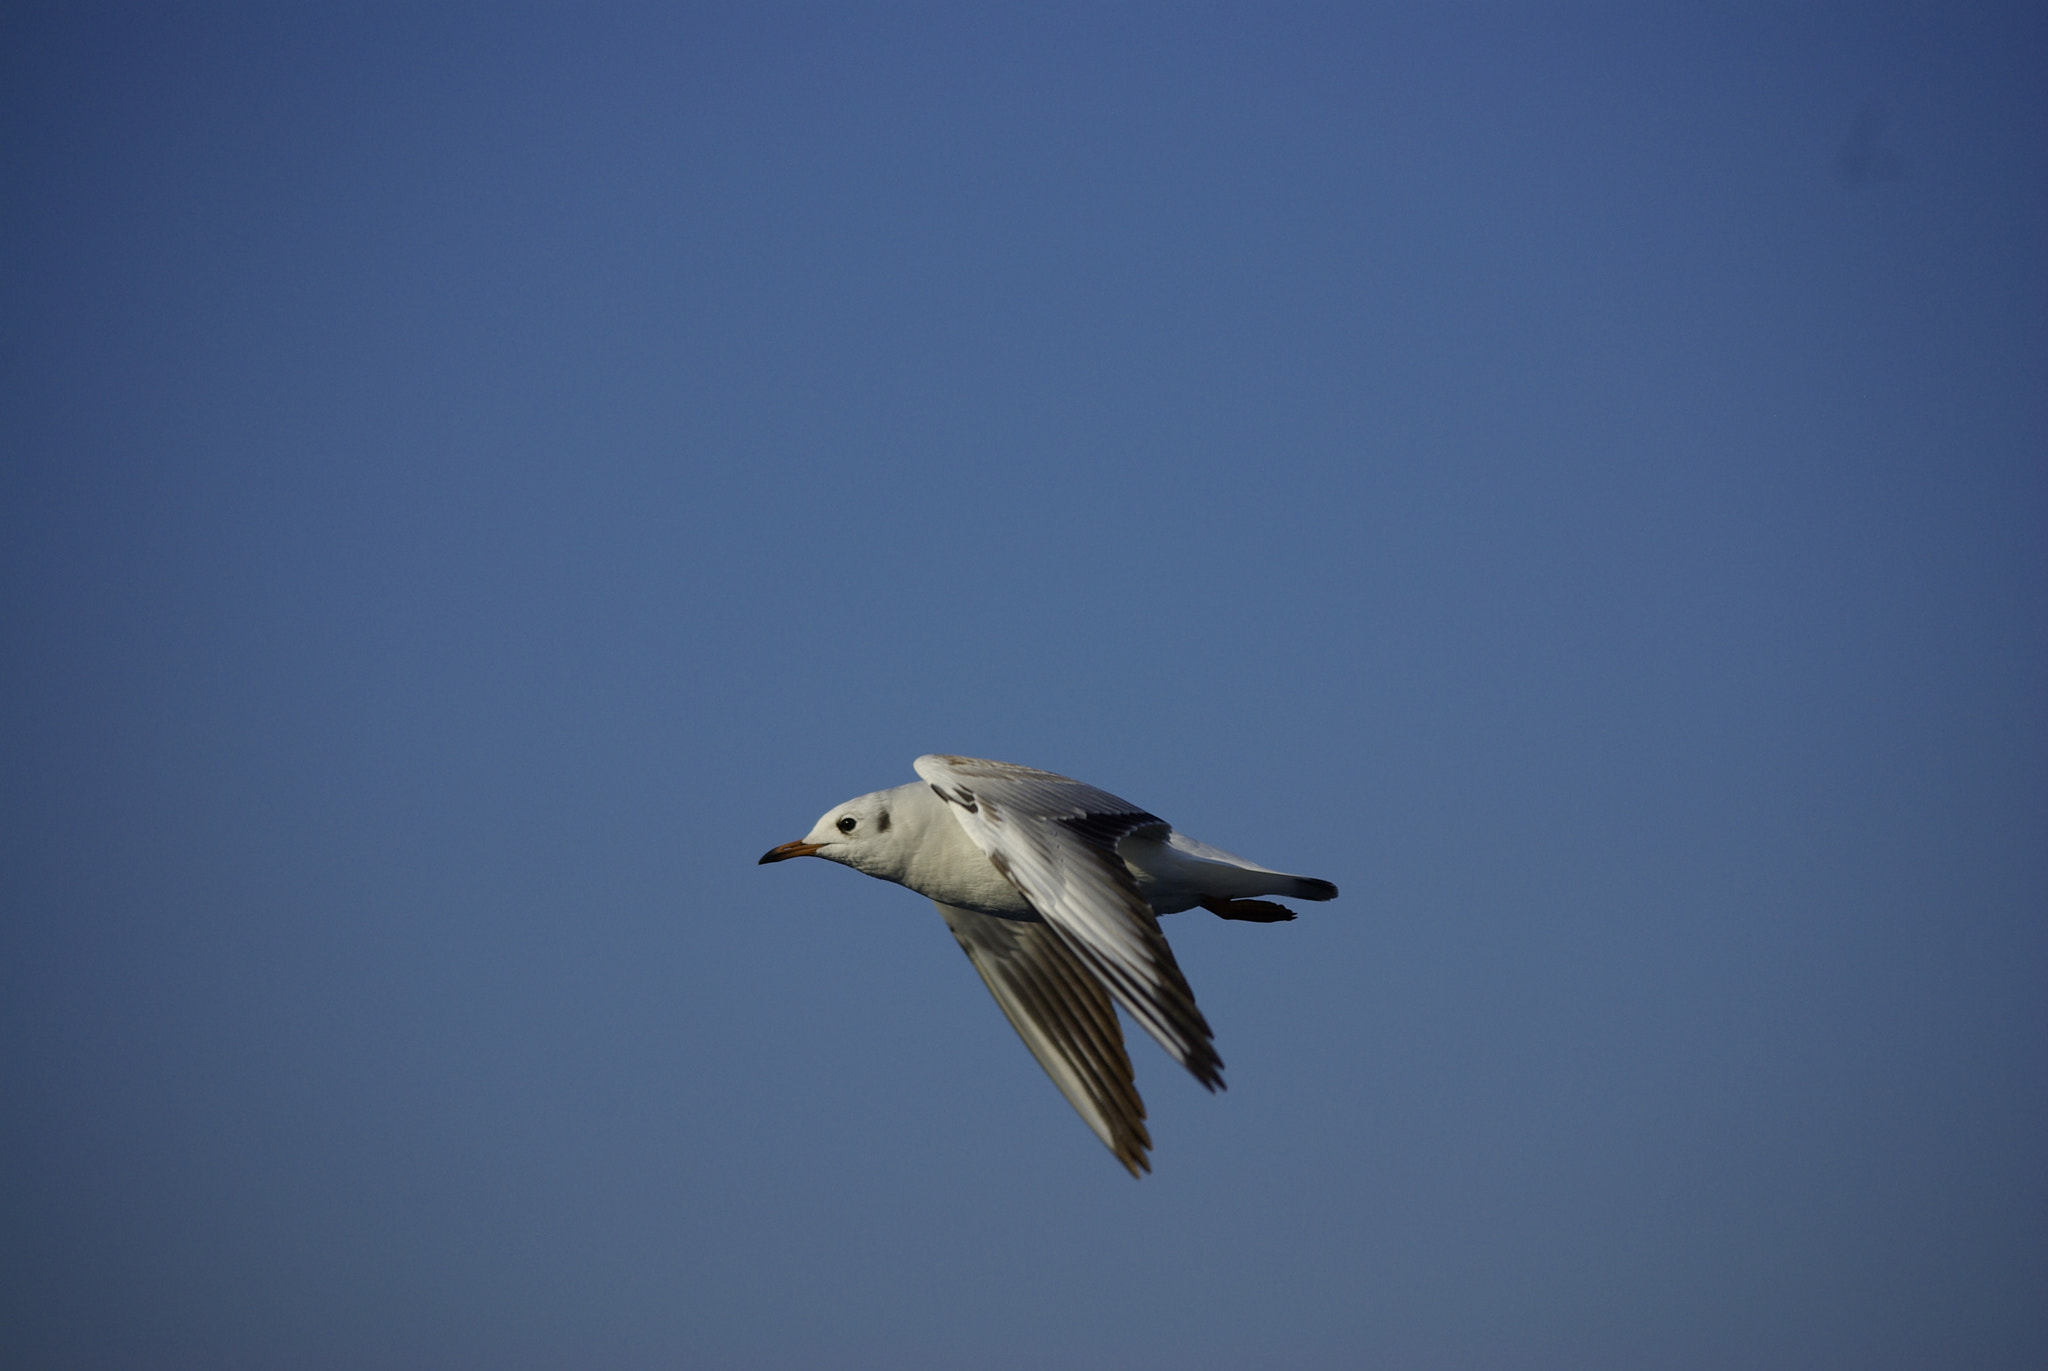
[{"x": 882, "y": 822}]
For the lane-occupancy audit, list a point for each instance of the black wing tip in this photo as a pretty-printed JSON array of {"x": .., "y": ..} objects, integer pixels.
[
  {"x": 1309, "y": 888},
  {"x": 1207, "y": 1068}
]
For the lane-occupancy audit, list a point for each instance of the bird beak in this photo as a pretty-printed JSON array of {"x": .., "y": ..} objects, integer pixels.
[{"x": 788, "y": 850}]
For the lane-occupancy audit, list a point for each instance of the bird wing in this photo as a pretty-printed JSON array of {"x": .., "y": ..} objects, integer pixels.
[
  {"x": 1064, "y": 1016},
  {"x": 1055, "y": 840}
]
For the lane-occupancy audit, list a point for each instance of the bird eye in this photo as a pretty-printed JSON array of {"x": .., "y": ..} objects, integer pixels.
[{"x": 846, "y": 824}]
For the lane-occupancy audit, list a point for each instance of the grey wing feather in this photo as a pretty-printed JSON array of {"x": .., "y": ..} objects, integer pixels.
[
  {"x": 1065, "y": 1017},
  {"x": 1055, "y": 839}
]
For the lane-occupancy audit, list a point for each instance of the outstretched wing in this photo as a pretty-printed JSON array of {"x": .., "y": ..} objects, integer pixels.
[
  {"x": 1064, "y": 1016},
  {"x": 1055, "y": 840}
]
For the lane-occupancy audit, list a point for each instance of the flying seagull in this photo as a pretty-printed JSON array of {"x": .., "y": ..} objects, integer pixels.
[{"x": 1053, "y": 889}]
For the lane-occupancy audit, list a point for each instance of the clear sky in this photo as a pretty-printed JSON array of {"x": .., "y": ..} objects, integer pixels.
[{"x": 475, "y": 478}]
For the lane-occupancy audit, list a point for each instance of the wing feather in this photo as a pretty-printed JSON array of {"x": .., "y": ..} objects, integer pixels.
[
  {"x": 1055, "y": 839},
  {"x": 1065, "y": 1017}
]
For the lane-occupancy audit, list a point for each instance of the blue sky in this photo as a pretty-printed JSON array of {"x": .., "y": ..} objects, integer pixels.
[{"x": 472, "y": 479}]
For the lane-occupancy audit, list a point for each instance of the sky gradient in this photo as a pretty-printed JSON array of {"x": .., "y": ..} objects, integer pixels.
[{"x": 473, "y": 479}]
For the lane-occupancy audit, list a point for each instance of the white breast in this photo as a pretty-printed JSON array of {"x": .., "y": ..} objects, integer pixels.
[{"x": 940, "y": 862}]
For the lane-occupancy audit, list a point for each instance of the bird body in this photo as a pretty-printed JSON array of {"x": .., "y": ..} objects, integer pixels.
[{"x": 1053, "y": 889}]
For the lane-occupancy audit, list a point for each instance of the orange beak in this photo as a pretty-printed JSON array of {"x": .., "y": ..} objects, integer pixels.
[{"x": 788, "y": 850}]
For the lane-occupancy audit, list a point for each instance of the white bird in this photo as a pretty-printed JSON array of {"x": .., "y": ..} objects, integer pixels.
[{"x": 1053, "y": 889}]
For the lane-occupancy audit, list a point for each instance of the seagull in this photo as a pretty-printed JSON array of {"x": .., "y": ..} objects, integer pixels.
[{"x": 1053, "y": 889}]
